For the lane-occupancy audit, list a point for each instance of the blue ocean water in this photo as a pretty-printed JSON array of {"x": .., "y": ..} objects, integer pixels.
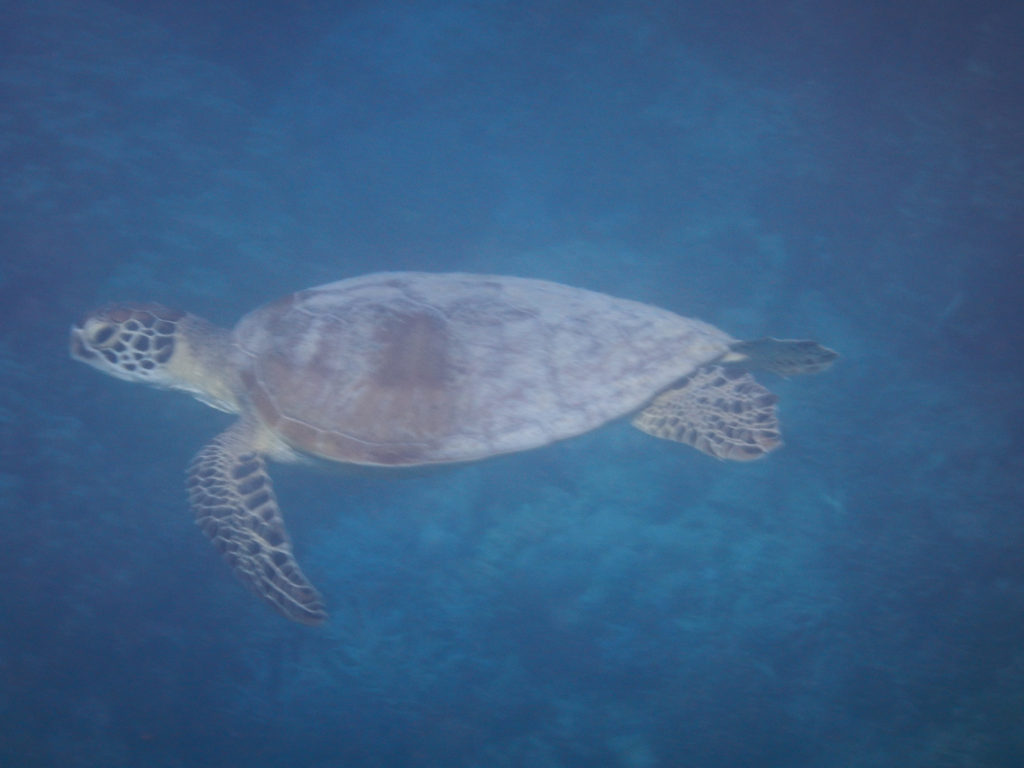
[{"x": 848, "y": 171}]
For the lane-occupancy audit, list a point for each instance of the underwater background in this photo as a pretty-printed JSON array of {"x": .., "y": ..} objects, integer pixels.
[{"x": 846, "y": 171}]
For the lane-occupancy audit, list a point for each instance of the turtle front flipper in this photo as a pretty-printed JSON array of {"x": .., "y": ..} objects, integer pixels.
[
  {"x": 721, "y": 411},
  {"x": 233, "y": 501}
]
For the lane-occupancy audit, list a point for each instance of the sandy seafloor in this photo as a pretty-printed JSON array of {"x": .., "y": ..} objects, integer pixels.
[{"x": 847, "y": 171}]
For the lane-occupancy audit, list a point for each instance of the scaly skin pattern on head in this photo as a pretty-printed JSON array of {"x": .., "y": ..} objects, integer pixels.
[{"x": 163, "y": 347}]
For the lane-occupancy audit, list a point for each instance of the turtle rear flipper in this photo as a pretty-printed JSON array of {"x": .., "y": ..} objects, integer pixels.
[
  {"x": 234, "y": 503},
  {"x": 785, "y": 357},
  {"x": 721, "y": 411}
]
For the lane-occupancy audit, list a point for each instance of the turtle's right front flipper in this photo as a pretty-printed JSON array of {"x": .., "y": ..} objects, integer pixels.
[{"x": 233, "y": 500}]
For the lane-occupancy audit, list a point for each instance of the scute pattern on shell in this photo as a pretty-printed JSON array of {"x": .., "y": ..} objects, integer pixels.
[{"x": 414, "y": 368}]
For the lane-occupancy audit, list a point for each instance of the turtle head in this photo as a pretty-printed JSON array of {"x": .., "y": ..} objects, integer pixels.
[
  {"x": 135, "y": 342},
  {"x": 158, "y": 346}
]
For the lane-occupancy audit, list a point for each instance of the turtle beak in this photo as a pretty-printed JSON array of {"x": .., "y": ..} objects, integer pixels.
[{"x": 78, "y": 349}]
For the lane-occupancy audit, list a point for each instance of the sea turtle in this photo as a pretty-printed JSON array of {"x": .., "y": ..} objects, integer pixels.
[{"x": 405, "y": 368}]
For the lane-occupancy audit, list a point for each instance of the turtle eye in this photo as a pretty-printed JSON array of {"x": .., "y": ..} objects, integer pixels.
[{"x": 102, "y": 335}]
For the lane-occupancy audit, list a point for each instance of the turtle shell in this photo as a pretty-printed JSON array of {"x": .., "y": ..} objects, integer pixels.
[{"x": 412, "y": 368}]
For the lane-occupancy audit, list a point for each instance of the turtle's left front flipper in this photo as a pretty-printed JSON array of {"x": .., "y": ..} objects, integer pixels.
[{"x": 234, "y": 503}]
